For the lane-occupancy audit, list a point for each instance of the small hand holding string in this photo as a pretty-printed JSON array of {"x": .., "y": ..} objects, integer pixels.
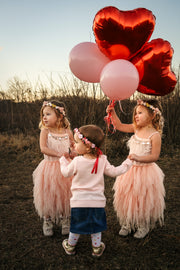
[{"x": 108, "y": 118}]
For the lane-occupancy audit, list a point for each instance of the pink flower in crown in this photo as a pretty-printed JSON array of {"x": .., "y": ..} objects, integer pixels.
[
  {"x": 80, "y": 136},
  {"x": 93, "y": 145},
  {"x": 157, "y": 111},
  {"x": 146, "y": 104},
  {"x": 84, "y": 139},
  {"x": 45, "y": 103}
]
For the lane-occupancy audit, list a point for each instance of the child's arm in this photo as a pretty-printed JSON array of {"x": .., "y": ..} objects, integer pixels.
[
  {"x": 155, "y": 151},
  {"x": 129, "y": 128},
  {"x": 43, "y": 145},
  {"x": 67, "y": 169},
  {"x": 72, "y": 152},
  {"x": 113, "y": 171}
]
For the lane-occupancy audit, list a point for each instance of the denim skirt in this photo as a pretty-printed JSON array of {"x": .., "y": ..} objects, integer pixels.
[{"x": 88, "y": 220}]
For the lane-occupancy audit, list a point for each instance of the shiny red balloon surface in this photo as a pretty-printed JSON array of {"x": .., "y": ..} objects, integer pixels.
[
  {"x": 125, "y": 35},
  {"x": 121, "y": 34},
  {"x": 154, "y": 64}
]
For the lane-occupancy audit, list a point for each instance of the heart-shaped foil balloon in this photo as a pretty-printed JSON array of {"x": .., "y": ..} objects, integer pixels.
[
  {"x": 154, "y": 65},
  {"x": 124, "y": 35},
  {"x": 121, "y": 34}
]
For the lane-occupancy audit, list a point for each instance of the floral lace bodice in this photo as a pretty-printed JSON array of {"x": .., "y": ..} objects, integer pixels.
[
  {"x": 140, "y": 146},
  {"x": 59, "y": 143}
]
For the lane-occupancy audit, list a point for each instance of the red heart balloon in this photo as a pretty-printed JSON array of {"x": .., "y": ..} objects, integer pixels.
[
  {"x": 154, "y": 65},
  {"x": 121, "y": 34}
]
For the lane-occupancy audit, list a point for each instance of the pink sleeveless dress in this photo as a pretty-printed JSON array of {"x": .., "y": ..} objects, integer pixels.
[
  {"x": 51, "y": 190},
  {"x": 139, "y": 193}
]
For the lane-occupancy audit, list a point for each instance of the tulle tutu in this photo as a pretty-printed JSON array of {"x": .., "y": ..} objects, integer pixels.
[
  {"x": 139, "y": 196},
  {"x": 51, "y": 190}
]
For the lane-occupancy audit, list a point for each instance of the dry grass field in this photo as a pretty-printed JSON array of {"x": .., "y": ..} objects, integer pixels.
[{"x": 23, "y": 246}]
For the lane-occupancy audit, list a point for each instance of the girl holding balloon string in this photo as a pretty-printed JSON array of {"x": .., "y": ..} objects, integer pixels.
[{"x": 139, "y": 193}]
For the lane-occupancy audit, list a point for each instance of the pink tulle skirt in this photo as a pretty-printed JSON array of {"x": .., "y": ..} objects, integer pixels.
[
  {"x": 139, "y": 196},
  {"x": 51, "y": 190}
]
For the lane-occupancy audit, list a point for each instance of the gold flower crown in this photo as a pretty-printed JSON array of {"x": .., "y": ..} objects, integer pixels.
[
  {"x": 146, "y": 104},
  {"x": 60, "y": 109}
]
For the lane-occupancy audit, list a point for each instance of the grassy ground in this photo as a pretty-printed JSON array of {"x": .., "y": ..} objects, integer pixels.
[{"x": 23, "y": 245}]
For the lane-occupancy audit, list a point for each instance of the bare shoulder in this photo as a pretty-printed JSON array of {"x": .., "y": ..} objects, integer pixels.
[
  {"x": 69, "y": 132},
  {"x": 44, "y": 132},
  {"x": 155, "y": 134},
  {"x": 156, "y": 137}
]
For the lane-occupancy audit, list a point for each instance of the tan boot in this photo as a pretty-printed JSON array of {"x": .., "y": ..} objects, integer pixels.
[
  {"x": 65, "y": 226},
  {"x": 47, "y": 227},
  {"x": 125, "y": 230},
  {"x": 141, "y": 232}
]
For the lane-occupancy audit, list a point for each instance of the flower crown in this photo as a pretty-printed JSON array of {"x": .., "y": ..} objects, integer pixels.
[
  {"x": 146, "y": 104},
  {"x": 84, "y": 139},
  {"x": 60, "y": 109}
]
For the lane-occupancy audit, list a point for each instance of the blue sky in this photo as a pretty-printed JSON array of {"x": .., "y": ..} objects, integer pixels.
[{"x": 37, "y": 36}]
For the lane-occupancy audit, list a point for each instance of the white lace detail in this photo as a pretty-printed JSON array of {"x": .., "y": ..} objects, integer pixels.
[
  {"x": 139, "y": 146},
  {"x": 58, "y": 137}
]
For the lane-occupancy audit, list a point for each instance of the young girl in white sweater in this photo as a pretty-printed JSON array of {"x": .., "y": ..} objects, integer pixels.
[{"x": 88, "y": 200}]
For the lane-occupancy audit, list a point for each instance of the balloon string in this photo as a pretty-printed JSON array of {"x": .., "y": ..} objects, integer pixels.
[
  {"x": 120, "y": 106},
  {"x": 121, "y": 109},
  {"x": 108, "y": 118}
]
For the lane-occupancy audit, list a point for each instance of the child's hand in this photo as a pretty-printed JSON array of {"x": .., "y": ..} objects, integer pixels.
[
  {"x": 133, "y": 157},
  {"x": 110, "y": 109},
  {"x": 64, "y": 161},
  {"x": 66, "y": 158},
  {"x": 73, "y": 154},
  {"x": 66, "y": 155}
]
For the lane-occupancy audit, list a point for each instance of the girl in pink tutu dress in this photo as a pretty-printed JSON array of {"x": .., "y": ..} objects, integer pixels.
[
  {"x": 139, "y": 193},
  {"x": 51, "y": 191}
]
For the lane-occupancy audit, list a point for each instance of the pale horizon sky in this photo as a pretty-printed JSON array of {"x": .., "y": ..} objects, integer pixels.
[{"x": 38, "y": 35}]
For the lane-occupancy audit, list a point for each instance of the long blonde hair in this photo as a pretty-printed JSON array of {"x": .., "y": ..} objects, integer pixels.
[
  {"x": 158, "y": 119},
  {"x": 63, "y": 122}
]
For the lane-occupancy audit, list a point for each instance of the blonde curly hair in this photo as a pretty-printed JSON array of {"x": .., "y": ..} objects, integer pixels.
[
  {"x": 63, "y": 122},
  {"x": 158, "y": 120}
]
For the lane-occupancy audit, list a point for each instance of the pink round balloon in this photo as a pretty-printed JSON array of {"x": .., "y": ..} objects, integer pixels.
[
  {"x": 86, "y": 61},
  {"x": 119, "y": 79}
]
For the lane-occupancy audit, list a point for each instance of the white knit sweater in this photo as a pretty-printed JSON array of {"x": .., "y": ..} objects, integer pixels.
[{"x": 87, "y": 188}]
